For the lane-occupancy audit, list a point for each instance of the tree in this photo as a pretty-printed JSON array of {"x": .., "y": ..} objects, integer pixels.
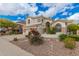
[
  {"x": 78, "y": 26},
  {"x": 7, "y": 23},
  {"x": 72, "y": 28}
]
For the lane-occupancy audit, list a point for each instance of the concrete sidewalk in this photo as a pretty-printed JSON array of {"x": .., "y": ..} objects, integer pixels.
[
  {"x": 8, "y": 49},
  {"x": 52, "y": 36},
  {"x": 11, "y": 37}
]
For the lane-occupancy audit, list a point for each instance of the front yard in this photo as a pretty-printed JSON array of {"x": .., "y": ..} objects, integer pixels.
[{"x": 51, "y": 47}]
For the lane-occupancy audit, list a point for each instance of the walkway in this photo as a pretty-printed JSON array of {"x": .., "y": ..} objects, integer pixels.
[
  {"x": 9, "y": 49},
  {"x": 11, "y": 37},
  {"x": 54, "y": 36}
]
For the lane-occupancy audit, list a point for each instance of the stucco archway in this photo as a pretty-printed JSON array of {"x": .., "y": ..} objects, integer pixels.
[
  {"x": 47, "y": 24},
  {"x": 61, "y": 26},
  {"x": 58, "y": 27}
]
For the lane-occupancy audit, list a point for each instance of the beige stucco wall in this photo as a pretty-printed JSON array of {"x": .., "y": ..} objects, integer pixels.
[
  {"x": 34, "y": 22},
  {"x": 24, "y": 28}
]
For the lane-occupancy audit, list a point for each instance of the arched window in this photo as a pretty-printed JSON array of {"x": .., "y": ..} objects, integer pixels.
[
  {"x": 28, "y": 21},
  {"x": 47, "y": 24}
]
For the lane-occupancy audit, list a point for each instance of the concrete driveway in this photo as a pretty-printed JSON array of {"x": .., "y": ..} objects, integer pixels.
[{"x": 9, "y": 49}]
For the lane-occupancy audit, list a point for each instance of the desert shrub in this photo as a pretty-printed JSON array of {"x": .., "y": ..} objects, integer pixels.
[
  {"x": 15, "y": 39},
  {"x": 48, "y": 31},
  {"x": 51, "y": 31},
  {"x": 62, "y": 37},
  {"x": 35, "y": 38},
  {"x": 10, "y": 32},
  {"x": 26, "y": 35},
  {"x": 70, "y": 43},
  {"x": 76, "y": 37},
  {"x": 2, "y": 33},
  {"x": 30, "y": 35}
]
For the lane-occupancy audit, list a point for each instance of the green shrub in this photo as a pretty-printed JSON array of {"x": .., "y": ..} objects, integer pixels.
[
  {"x": 72, "y": 28},
  {"x": 62, "y": 37},
  {"x": 51, "y": 31},
  {"x": 26, "y": 35},
  {"x": 15, "y": 39},
  {"x": 35, "y": 40},
  {"x": 76, "y": 37},
  {"x": 48, "y": 31},
  {"x": 70, "y": 43}
]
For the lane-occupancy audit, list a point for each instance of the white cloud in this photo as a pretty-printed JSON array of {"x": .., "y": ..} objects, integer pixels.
[
  {"x": 65, "y": 9},
  {"x": 70, "y": 13},
  {"x": 48, "y": 4},
  {"x": 56, "y": 18},
  {"x": 17, "y": 8},
  {"x": 54, "y": 8},
  {"x": 74, "y": 17},
  {"x": 70, "y": 6},
  {"x": 24, "y": 8},
  {"x": 64, "y": 13}
]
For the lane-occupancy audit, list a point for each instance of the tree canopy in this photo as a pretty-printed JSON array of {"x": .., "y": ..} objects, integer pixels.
[
  {"x": 7, "y": 23},
  {"x": 72, "y": 27}
]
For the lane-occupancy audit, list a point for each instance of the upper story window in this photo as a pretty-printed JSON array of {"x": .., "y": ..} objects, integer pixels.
[
  {"x": 28, "y": 21},
  {"x": 42, "y": 20}
]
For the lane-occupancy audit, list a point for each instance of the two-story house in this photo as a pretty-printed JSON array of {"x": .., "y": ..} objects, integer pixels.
[{"x": 38, "y": 23}]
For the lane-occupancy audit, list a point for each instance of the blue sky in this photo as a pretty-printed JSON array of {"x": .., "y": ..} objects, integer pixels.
[{"x": 15, "y": 11}]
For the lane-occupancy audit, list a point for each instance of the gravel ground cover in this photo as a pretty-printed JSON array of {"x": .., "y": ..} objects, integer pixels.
[{"x": 51, "y": 47}]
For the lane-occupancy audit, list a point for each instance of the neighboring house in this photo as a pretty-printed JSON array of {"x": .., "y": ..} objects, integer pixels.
[
  {"x": 0, "y": 29},
  {"x": 39, "y": 23},
  {"x": 3, "y": 30},
  {"x": 21, "y": 26}
]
